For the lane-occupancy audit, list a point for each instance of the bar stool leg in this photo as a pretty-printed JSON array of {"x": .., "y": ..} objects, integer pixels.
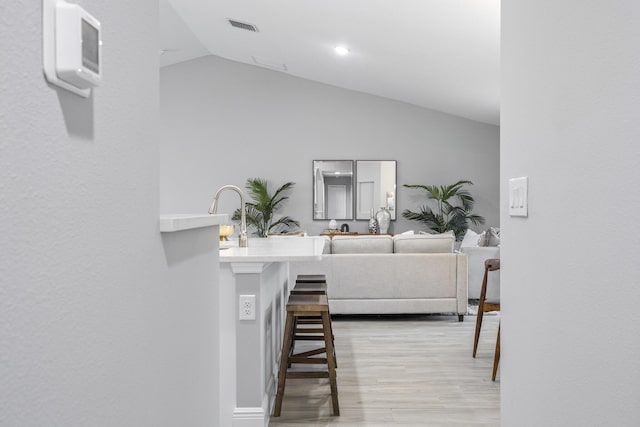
[
  {"x": 294, "y": 321},
  {"x": 331, "y": 361},
  {"x": 284, "y": 362}
]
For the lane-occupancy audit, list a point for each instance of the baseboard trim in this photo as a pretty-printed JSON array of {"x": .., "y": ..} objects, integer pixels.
[{"x": 250, "y": 417}]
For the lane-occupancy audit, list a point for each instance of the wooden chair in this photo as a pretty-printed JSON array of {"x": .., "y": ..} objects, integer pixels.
[
  {"x": 484, "y": 306},
  {"x": 496, "y": 356},
  {"x": 305, "y": 306}
]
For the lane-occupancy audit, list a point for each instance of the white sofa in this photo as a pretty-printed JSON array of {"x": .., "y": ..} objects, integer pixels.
[
  {"x": 476, "y": 256},
  {"x": 374, "y": 274}
]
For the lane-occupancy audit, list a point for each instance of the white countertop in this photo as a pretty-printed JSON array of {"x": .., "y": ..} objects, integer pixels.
[
  {"x": 273, "y": 249},
  {"x": 179, "y": 222}
]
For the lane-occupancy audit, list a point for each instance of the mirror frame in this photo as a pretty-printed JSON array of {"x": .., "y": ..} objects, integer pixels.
[
  {"x": 349, "y": 205},
  {"x": 390, "y": 188}
]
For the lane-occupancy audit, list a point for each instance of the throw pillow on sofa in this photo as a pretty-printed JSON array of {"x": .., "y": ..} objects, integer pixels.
[
  {"x": 372, "y": 244},
  {"x": 424, "y": 243},
  {"x": 445, "y": 234},
  {"x": 470, "y": 238},
  {"x": 491, "y": 237}
]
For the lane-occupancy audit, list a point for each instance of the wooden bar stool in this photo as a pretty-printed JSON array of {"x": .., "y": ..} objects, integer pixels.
[
  {"x": 311, "y": 278},
  {"x": 485, "y": 306},
  {"x": 309, "y": 288},
  {"x": 304, "y": 306},
  {"x": 309, "y": 284}
]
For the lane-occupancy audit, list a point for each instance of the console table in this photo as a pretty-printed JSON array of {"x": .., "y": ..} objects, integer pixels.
[
  {"x": 352, "y": 233},
  {"x": 339, "y": 233}
]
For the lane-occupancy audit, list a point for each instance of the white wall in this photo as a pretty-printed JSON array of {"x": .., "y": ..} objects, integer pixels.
[
  {"x": 102, "y": 321},
  {"x": 570, "y": 274},
  {"x": 224, "y": 122}
]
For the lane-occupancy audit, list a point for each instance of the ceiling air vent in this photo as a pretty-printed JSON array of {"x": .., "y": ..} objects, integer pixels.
[{"x": 243, "y": 25}]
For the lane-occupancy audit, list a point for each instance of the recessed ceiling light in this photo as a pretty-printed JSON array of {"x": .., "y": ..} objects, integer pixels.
[{"x": 341, "y": 50}]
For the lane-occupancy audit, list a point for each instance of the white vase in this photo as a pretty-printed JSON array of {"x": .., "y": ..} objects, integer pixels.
[{"x": 384, "y": 219}]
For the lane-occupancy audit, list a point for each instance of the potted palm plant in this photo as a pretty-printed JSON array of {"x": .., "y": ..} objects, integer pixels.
[
  {"x": 261, "y": 211},
  {"x": 448, "y": 214}
]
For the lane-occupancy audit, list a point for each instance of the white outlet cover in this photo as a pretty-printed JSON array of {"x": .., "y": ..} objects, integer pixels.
[
  {"x": 518, "y": 197},
  {"x": 247, "y": 307}
]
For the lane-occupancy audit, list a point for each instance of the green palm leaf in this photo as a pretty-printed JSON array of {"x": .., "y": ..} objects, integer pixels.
[
  {"x": 454, "y": 204},
  {"x": 260, "y": 211},
  {"x": 283, "y": 224}
]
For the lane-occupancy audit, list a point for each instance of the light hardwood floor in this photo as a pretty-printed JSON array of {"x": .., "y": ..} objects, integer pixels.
[{"x": 403, "y": 371}]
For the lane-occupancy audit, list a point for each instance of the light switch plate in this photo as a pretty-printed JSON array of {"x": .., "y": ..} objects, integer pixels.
[{"x": 518, "y": 196}]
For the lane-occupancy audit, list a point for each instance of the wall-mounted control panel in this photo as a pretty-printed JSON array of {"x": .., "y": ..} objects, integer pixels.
[
  {"x": 72, "y": 47},
  {"x": 518, "y": 196}
]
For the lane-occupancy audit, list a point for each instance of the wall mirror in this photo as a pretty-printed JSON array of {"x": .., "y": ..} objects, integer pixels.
[
  {"x": 375, "y": 187},
  {"x": 333, "y": 189}
]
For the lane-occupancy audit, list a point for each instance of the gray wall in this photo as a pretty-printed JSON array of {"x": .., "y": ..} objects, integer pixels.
[
  {"x": 223, "y": 122},
  {"x": 569, "y": 121},
  {"x": 102, "y": 322}
]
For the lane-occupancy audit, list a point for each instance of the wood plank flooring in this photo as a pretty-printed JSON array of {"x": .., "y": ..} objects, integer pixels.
[{"x": 403, "y": 371}]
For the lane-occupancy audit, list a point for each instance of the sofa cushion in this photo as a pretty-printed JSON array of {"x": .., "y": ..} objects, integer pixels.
[
  {"x": 424, "y": 243},
  {"x": 373, "y": 244},
  {"x": 470, "y": 238}
]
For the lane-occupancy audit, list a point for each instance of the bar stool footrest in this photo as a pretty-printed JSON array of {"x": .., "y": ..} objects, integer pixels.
[
  {"x": 308, "y": 360},
  {"x": 306, "y": 374}
]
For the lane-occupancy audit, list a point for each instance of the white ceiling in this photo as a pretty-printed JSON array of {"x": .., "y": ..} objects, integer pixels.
[{"x": 438, "y": 54}]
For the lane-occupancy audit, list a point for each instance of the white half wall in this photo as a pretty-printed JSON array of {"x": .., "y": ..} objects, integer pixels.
[
  {"x": 224, "y": 122},
  {"x": 570, "y": 274},
  {"x": 102, "y": 321}
]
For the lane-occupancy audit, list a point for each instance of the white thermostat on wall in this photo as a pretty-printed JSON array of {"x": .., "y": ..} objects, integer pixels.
[{"x": 72, "y": 47}]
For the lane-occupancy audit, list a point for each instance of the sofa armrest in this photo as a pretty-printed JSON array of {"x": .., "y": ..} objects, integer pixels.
[
  {"x": 476, "y": 257},
  {"x": 461, "y": 283}
]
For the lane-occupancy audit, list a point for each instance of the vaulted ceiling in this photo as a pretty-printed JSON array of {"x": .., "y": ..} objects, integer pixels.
[{"x": 437, "y": 54}]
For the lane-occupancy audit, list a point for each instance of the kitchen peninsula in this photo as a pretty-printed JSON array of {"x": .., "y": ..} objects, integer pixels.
[{"x": 250, "y": 348}]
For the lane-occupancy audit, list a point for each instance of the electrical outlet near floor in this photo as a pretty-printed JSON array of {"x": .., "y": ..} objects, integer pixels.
[{"x": 247, "y": 307}]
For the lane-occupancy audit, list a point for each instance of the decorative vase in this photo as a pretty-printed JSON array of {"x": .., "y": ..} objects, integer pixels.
[
  {"x": 384, "y": 219},
  {"x": 225, "y": 230},
  {"x": 373, "y": 223}
]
